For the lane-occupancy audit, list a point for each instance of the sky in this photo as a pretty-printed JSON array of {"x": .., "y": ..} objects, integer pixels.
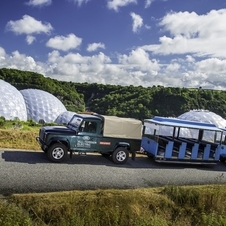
[{"x": 170, "y": 43}]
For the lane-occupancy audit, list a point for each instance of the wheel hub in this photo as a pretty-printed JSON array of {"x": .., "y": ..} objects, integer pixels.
[
  {"x": 58, "y": 153},
  {"x": 121, "y": 156}
]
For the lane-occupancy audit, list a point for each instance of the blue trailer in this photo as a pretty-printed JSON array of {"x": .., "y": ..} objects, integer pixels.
[{"x": 182, "y": 141}]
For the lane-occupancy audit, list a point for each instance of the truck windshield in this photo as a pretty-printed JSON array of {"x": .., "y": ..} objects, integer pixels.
[{"x": 75, "y": 122}]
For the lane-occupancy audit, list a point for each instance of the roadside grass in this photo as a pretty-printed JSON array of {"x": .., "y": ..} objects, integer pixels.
[
  {"x": 164, "y": 206},
  {"x": 19, "y": 139},
  {"x": 17, "y": 134},
  {"x": 167, "y": 206}
]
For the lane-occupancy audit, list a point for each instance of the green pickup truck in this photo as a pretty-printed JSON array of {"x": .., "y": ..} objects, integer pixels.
[{"x": 108, "y": 135}]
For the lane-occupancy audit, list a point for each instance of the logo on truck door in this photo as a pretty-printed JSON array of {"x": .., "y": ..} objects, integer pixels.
[
  {"x": 86, "y": 138},
  {"x": 86, "y": 142}
]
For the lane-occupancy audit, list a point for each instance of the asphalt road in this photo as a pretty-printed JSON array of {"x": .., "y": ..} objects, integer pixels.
[{"x": 30, "y": 171}]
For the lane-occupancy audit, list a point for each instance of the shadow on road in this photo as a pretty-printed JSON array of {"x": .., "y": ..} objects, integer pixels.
[
  {"x": 25, "y": 157},
  {"x": 32, "y": 157}
]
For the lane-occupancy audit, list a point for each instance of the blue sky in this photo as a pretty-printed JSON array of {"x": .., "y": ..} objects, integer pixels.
[{"x": 172, "y": 43}]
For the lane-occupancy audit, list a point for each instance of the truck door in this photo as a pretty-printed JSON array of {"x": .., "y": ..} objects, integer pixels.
[{"x": 87, "y": 136}]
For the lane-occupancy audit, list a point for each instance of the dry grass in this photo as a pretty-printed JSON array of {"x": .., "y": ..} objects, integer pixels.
[
  {"x": 19, "y": 139},
  {"x": 168, "y": 206}
]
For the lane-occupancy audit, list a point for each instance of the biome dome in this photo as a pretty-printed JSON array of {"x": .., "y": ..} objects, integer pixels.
[
  {"x": 42, "y": 105},
  {"x": 64, "y": 117},
  {"x": 204, "y": 116},
  {"x": 12, "y": 104}
]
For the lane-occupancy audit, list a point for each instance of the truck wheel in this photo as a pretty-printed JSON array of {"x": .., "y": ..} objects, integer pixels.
[
  {"x": 57, "y": 152},
  {"x": 120, "y": 155}
]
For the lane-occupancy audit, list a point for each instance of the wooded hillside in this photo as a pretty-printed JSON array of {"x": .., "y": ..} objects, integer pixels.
[{"x": 125, "y": 101}]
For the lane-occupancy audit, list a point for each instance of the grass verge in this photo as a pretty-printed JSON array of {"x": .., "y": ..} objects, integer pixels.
[
  {"x": 19, "y": 139},
  {"x": 185, "y": 206}
]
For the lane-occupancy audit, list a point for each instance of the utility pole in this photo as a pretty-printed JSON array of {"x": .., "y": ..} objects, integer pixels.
[{"x": 199, "y": 99}]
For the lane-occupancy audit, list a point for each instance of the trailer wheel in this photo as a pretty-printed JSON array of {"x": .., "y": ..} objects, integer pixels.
[
  {"x": 222, "y": 159},
  {"x": 150, "y": 156},
  {"x": 120, "y": 155},
  {"x": 57, "y": 152}
]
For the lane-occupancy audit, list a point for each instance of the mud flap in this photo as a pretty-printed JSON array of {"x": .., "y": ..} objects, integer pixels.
[{"x": 133, "y": 155}]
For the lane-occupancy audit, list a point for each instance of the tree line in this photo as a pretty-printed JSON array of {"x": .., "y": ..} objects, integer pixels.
[{"x": 124, "y": 101}]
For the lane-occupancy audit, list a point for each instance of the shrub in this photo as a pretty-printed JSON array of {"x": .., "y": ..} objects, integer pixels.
[{"x": 2, "y": 121}]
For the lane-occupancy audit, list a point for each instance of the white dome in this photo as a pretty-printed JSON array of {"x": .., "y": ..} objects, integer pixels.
[
  {"x": 12, "y": 103},
  {"x": 204, "y": 116},
  {"x": 42, "y": 105},
  {"x": 65, "y": 117}
]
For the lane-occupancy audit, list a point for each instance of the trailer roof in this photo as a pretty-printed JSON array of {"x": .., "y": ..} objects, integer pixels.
[{"x": 175, "y": 122}]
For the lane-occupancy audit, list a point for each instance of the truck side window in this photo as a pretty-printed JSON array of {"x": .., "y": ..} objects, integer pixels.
[{"x": 90, "y": 127}]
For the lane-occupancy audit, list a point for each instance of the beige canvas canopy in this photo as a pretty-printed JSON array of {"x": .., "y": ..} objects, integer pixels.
[{"x": 122, "y": 127}]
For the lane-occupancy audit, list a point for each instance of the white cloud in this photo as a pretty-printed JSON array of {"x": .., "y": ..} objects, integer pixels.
[
  {"x": 137, "y": 21},
  {"x": 94, "y": 46},
  {"x": 79, "y": 2},
  {"x": 173, "y": 67},
  {"x": 138, "y": 59},
  {"x": 2, "y": 52},
  {"x": 215, "y": 67},
  {"x": 39, "y": 2},
  {"x": 148, "y": 3},
  {"x": 190, "y": 59},
  {"x": 28, "y": 25},
  {"x": 200, "y": 35},
  {"x": 115, "y": 4},
  {"x": 136, "y": 68},
  {"x": 30, "y": 39},
  {"x": 75, "y": 67},
  {"x": 64, "y": 43},
  {"x": 21, "y": 62}
]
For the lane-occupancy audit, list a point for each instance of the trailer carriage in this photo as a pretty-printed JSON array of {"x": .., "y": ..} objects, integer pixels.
[{"x": 182, "y": 141}]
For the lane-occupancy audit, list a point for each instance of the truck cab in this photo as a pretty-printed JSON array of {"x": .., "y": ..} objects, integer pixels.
[{"x": 108, "y": 135}]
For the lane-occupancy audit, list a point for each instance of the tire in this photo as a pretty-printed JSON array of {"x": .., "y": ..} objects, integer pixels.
[
  {"x": 150, "y": 156},
  {"x": 222, "y": 159},
  {"x": 57, "y": 153},
  {"x": 120, "y": 155}
]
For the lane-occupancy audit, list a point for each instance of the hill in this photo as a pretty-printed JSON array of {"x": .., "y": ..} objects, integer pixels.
[{"x": 124, "y": 101}]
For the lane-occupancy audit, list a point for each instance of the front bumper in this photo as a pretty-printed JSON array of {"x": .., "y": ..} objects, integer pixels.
[{"x": 39, "y": 141}]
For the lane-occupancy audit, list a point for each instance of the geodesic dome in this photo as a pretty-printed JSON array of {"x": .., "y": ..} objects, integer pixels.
[
  {"x": 42, "y": 105},
  {"x": 64, "y": 117},
  {"x": 12, "y": 103},
  {"x": 204, "y": 116}
]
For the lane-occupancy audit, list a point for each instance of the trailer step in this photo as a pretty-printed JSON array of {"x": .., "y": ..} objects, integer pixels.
[{"x": 186, "y": 162}]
